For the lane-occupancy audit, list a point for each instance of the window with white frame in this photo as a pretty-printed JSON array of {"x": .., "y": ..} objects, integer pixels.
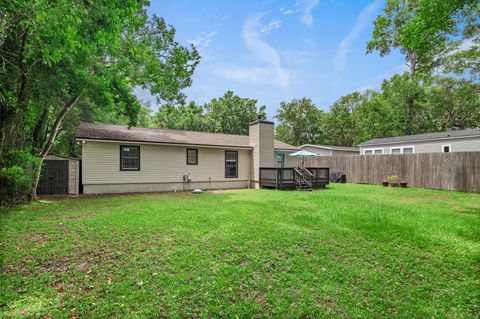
[
  {"x": 402, "y": 150},
  {"x": 446, "y": 148},
  {"x": 373, "y": 151}
]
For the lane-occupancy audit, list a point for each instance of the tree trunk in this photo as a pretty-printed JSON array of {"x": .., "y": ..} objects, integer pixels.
[
  {"x": 408, "y": 116},
  {"x": 48, "y": 146},
  {"x": 412, "y": 57},
  {"x": 39, "y": 129}
]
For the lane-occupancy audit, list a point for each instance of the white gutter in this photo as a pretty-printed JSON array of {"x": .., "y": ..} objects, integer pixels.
[{"x": 166, "y": 144}]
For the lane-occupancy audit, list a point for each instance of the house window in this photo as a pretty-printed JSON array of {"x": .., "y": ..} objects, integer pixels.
[
  {"x": 192, "y": 156},
  {"x": 231, "y": 164},
  {"x": 129, "y": 158},
  {"x": 373, "y": 151},
  {"x": 446, "y": 148},
  {"x": 397, "y": 150},
  {"x": 408, "y": 150}
]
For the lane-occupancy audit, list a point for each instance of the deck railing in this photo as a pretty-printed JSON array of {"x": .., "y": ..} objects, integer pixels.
[{"x": 287, "y": 177}]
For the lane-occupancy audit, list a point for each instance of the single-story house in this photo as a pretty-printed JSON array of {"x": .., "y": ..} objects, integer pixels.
[
  {"x": 324, "y": 150},
  {"x": 118, "y": 159},
  {"x": 451, "y": 141}
]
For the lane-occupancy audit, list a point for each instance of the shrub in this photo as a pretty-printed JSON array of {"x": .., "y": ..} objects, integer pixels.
[
  {"x": 16, "y": 177},
  {"x": 392, "y": 179}
]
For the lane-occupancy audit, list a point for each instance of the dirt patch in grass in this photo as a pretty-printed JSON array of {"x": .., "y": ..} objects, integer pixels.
[
  {"x": 38, "y": 238},
  {"x": 82, "y": 261},
  {"x": 328, "y": 304},
  {"x": 71, "y": 214},
  {"x": 260, "y": 298}
]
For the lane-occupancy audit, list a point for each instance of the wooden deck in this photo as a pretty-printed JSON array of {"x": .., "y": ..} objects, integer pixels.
[{"x": 294, "y": 178}]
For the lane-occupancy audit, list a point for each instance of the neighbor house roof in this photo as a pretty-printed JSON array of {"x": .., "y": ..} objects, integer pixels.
[
  {"x": 51, "y": 154},
  {"x": 332, "y": 147},
  {"x": 93, "y": 131},
  {"x": 475, "y": 132}
]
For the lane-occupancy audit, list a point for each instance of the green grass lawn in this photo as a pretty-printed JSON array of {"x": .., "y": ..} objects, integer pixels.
[{"x": 351, "y": 251}]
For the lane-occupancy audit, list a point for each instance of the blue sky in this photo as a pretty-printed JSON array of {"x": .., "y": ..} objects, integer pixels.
[{"x": 276, "y": 51}]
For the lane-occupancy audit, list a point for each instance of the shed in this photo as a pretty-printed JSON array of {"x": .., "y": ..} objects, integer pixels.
[{"x": 60, "y": 175}]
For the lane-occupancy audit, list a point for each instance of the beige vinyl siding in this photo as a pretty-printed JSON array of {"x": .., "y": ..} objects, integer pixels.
[
  {"x": 457, "y": 145},
  {"x": 158, "y": 164},
  {"x": 161, "y": 187},
  {"x": 290, "y": 161},
  {"x": 261, "y": 138}
]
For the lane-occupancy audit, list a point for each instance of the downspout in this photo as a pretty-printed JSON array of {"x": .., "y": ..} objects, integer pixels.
[{"x": 249, "y": 181}]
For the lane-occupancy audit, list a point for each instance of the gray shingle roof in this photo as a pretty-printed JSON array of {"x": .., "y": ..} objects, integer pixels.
[
  {"x": 332, "y": 147},
  {"x": 423, "y": 137},
  {"x": 165, "y": 136}
]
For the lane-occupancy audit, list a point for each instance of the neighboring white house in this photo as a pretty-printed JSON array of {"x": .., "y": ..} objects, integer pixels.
[
  {"x": 451, "y": 141},
  {"x": 117, "y": 159},
  {"x": 323, "y": 150}
]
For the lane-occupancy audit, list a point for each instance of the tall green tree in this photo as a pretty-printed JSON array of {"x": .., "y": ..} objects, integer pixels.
[
  {"x": 300, "y": 122},
  {"x": 383, "y": 113},
  {"x": 453, "y": 104},
  {"x": 232, "y": 114},
  {"x": 189, "y": 117},
  {"x": 229, "y": 114},
  {"x": 341, "y": 123},
  {"x": 424, "y": 31},
  {"x": 58, "y": 55}
]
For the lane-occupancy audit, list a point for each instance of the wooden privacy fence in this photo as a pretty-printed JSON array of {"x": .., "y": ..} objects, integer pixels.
[{"x": 458, "y": 171}]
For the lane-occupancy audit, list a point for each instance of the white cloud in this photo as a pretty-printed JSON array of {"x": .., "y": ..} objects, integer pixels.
[
  {"x": 464, "y": 45},
  {"x": 297, "y": 57},
  {"x": 203, "y": 40},
  {"x": 286, "y": 11},
  {"x": 309, "y": 41},
  {"x": 262, "y": 50},
  {"x": 303, "y": 8},
  {"x": 257, "y": 75},
  {"x": 365, "y": 17},
  {"x": 399, "y": 69},
  {"x": 307, "y": 17},
  {"x": 272, "y": 25},
  {"x": 270, "y": 72}
]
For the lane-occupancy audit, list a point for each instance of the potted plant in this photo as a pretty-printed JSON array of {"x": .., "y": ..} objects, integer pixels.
[
  {"x": 403, "y": 184},
  {"x": 385, "y": 184},
  {"x": 393, "y": 181}
]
